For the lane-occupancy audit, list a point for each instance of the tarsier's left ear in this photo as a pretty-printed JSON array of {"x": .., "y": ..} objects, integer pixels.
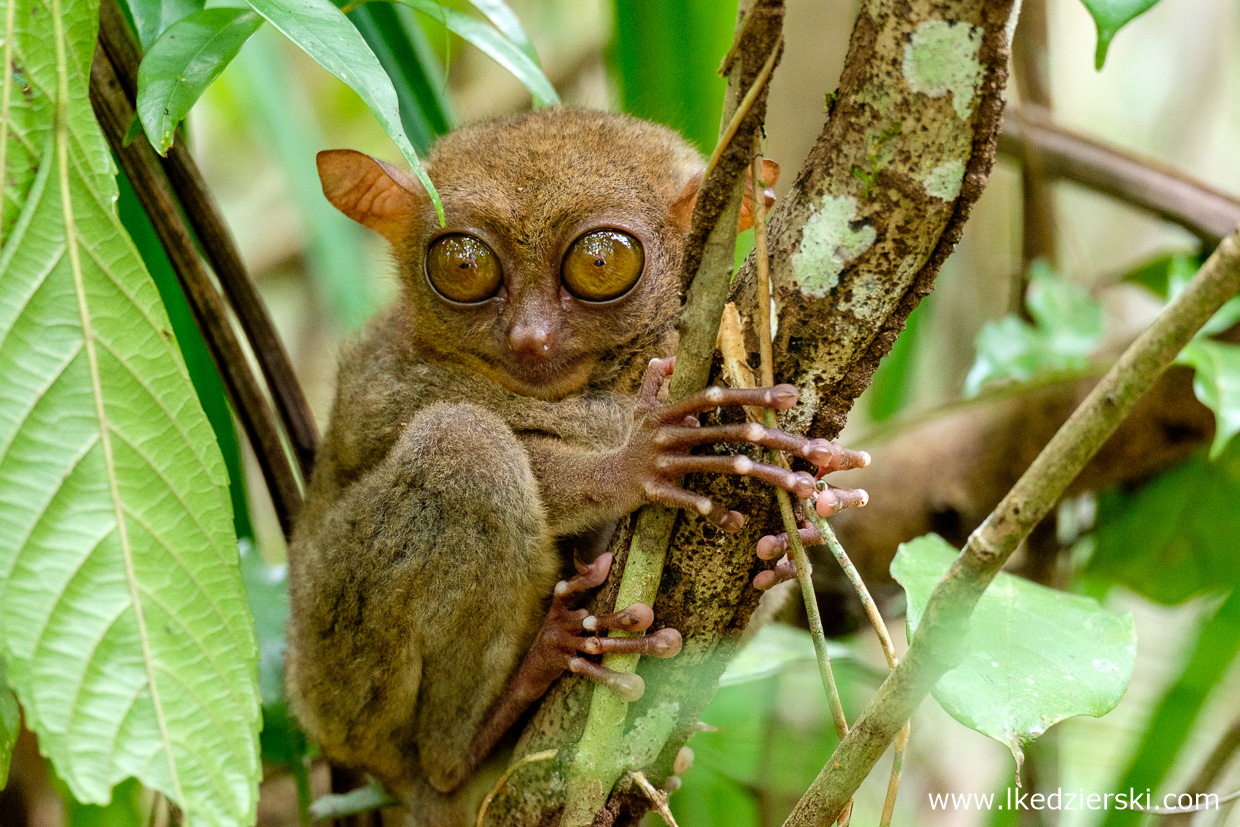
[
  {"x": 372, "y": 193},
  {"x": 682, "y": 207}
]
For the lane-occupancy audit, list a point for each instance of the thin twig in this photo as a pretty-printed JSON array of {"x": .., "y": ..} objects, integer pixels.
[
  {"x": 657, "y": 798},
  {"x": 1216, "y": 762},
  {"x": 363, "y": 800},
  {"x": 1203, "y": 210},
  {"x": 939, "y": 643},
  {"x": 151, "y": 187},
  {"x": 884, "y": 639},
  {"x": 742, "y": 110},
  {"x": 545, "y": 755},
  {"x": 220, "y": 250}
]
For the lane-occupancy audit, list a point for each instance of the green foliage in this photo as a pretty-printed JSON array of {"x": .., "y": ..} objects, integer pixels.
[
  {"x": 1110, "y": 16},
  {"x": 665, "y": 59},
  {"x": 1036, "y": 655},
  {"x": 283, "y": 742},
  {"x": 153, "y": 17},
  {"x": 1175, "y": 537},
  {"x": 1216, "y": 382},
  {"x": 892, "y": 386},
  {"x": 509, "y": 26},
  {"x": 183, "y": 62},
  {"x": 1067, "y": 326},
  {"x": 323, "y": 32},
  {"x": 126, "y": 634},
  {"x": 774, "y": 731},
  {"x": 1214, "y": 650},
  {"x": 129, "y": 807},
  {"x": 494, "y": 45},
  {"x": 10, "y": 726}
]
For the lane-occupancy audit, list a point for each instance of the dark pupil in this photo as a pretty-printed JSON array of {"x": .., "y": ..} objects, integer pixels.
[
  {"x": 598, "y": 262},
  {"x": 465, "y": 265}
]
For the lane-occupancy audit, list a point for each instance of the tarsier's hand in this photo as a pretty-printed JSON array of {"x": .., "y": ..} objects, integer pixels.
[{"x": 657, "y": 451}]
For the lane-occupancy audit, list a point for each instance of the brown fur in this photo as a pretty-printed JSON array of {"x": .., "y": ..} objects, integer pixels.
[{"x": 425, "y": 555}]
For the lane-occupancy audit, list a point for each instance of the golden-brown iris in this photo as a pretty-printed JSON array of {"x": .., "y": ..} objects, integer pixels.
[
  {"x": 463, "y": 268},
  {"x": 602, "y": 265}
]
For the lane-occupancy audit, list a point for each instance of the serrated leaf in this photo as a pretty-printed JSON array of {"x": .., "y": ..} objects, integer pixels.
[
  {"x": 1036, "y": 656},
  {"x": 125, "y": 630},
  {"x": 1216, "y": 381},
  {"x": 1067, "y": 328},
  {"x": 153, "y": 17},
  {"x": 494, "y": 45},
  {"x": 1110, "y": 16},
  {"x": 323, "y": 32},
  {"x": 185, "y": 60},
  {"x": 10, "y": 726},
  {"x": 1175, "y": 537}
]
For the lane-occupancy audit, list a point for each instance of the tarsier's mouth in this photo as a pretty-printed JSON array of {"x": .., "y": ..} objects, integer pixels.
[{"x": 554, "y": 380}]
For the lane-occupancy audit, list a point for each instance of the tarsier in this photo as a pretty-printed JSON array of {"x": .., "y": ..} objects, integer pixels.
[{"x": 507, "y": 401}]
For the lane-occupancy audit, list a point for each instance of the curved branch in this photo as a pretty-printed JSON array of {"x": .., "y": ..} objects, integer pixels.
[{"x": 1206, "y": 212}]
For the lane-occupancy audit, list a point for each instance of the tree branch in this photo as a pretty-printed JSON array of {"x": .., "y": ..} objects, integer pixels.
[
  {"x": 139, "y": 163},
  {"x": 940, "y": 641},
  {"x": 221, "y": 252},
  {"x": 1206, "y": 212}
]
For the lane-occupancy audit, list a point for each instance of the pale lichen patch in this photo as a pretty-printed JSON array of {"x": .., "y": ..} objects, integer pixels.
[
  {"x": 944, "y": 180},
  {"x": 828, "y": 243},
  {"x": 942, "y": 57}
]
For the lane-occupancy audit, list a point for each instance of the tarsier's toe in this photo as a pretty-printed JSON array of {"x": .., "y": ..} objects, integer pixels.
[
  {"x": 627, "y": 686},
  {"x": 635, "y": 618},
  {"x": 664, "y": 643},
  {"x": 785, "y": 571},
  {"x": 834, "y": 500}
]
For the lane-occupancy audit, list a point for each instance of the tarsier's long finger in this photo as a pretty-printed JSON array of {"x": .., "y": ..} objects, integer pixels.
[
  {"x": 626, "y": 685},
  {"x": 590, "y": 577},
  {"x": 780, "y": 397},
  {"x": 664, "y": 643},
  {"x": 635, "y": 618},
  {"x": 797, "y": 482},
  {"x": 785, "y": 571},
  {"x": 674, "y": 497},
  {"x": 656, "y": 372},
  {"x": 831, "y": 456},
  {"x": 817, "y": 451},
  {"x": 773, "y": 545},
  {"x": 834, "y": 500}
]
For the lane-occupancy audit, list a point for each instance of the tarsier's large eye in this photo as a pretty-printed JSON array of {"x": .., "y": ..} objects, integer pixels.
[
  {"x": 602, "y": 265},
  {"x": 463, "y": 269}
]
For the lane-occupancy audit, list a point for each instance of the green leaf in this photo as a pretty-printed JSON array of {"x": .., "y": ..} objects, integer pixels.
[
  {"x": 1168, "y": 276},
  {"x": 126, "y": 633},
  {"x": 1110, "y": 16},
  {"x": 1067, "y": 328},
  {"x": 10, "y": 726},
  {"x": 1036, "y": 656},
  {"x": 1214, "y": 651},
  {"x": 153, "y": 17},
  {"x": 185, "y": 60},
  {"x": 495, "y": 46},
  {"x": 773, "y": 649},
  {"x": 326, "y": 35},
  {"x": 1216, "y": 381},
  {"x": 1175, "y": 537},
  {"x": 129, "y": 807},
  {"x": 399, "y": 41},
  {"x": 665, "y": 60},
  {"x": 503, "y": 18}
]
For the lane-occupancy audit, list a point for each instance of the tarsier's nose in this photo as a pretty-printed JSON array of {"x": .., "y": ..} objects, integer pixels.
[{"x": 531, "y": 339}]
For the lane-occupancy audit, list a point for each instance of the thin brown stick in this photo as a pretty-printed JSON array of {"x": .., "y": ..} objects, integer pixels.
[
  {"x": 220, "y": 250},
  {"x": 1029, "y": 65},
  {"x": 140, "y": 165},
  {"x": 1203, "y": 210},
  {"x": 657, "y": 798},
  {"x": 1216, "y": 762},
  {"x": 940, "y": 641},
  {"x": 742, "y": 110}
]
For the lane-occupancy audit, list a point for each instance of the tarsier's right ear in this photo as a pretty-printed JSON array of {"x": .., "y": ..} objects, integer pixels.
[
  {"x": 372, "y": 193},
  {"x": 682, "y": 207}
]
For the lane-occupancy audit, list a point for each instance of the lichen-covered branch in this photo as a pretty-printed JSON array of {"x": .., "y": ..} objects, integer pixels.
[{"x": 940, "y": 640}]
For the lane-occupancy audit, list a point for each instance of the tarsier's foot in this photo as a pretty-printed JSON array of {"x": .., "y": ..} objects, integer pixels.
[
  {"x": 561, "y": 642},
  {"x": 829, "y": 501},
  {"x": 658, "y": 450}
]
